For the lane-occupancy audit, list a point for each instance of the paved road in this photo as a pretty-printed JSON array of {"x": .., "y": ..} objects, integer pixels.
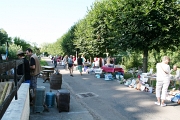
[{"x": 107, "y": 100}]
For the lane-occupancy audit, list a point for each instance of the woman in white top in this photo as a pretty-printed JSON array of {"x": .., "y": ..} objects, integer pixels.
[{"x": 163, "y": 80}]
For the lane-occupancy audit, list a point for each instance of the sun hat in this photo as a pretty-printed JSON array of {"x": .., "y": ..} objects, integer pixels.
[{"x": 19, "y": 52}]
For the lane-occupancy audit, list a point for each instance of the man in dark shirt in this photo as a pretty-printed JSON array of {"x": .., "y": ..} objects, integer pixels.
[
  {"x": 26, "y": 70},
  {"x": 34, "y": 68},
  {"x": 34, "y": 72},
  {"x": 80, "y": 64}
]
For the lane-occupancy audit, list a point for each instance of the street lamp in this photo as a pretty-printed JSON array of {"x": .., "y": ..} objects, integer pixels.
[{"x": 107, "y": 54}]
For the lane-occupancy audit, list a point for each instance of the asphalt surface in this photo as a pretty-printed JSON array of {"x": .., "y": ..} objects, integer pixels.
[
  {"x": 77, "y": 110},
  {"x": 107, "y": 100}
]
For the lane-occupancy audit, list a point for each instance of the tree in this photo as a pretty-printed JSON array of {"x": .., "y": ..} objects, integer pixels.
[
  {"x": 67, "y": 42},
  {"x": 148, "y": 24},
  {"x": 94, "y": 36},
  {"x": 22, "y": 43},
  {"x": 13, "y": 48},
  {"x": 3, "y": 36}
]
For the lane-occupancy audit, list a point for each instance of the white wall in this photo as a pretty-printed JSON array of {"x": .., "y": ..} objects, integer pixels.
[{"x": 19, "y": 109}]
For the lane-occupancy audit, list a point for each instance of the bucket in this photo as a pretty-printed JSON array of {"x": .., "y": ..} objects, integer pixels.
[
  {"x": 97, "y": 76},
  {"x": 50, "y": 99},
  {"x": 55, "y": 81}
]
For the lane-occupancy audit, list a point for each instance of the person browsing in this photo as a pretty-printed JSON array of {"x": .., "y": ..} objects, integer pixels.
[
  {"x": 70, "y": 65},
  {"x": 34, "y": 72},
  {"x": 24, "y": 69},
  {"x": 163, "y": 80},
  {"x": 80, "y": 64}
]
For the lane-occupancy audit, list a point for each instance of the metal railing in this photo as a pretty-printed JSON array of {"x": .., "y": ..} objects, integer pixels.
[{"x": 4, "y": 67}]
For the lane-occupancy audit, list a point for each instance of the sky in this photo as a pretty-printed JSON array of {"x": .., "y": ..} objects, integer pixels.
[{"x": 41, "y": 21}]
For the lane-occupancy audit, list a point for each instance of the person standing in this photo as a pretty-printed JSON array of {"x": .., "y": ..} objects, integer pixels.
[
  {"x": 163, "y": 80},
  {"x": 96, "y": 63},
  {"x": 74, "y": 58},
  {"x": 83, "y": 59},
  {"x": 52, "y": 59},
  {"x": 70, "y": 65},
  {"x": 55, "y": 61},
  {"x": 24, "y": 69},
  {"x": 177, "y": 70},
  {"x": 176, "y": 76},
  {"x": 34, "y": 69},
  {"x": 65, "y": 60},
  {"x": 80, "y": 64},
  {"x": 111, "y": 60}
]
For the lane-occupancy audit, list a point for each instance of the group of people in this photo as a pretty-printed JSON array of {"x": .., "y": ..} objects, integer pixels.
[
  {"x": 56, "y": 59},
  {"x": 99, "y": 62},
  {"x": 30, "y": 69},
  {"x": 69, "y": 62},
  {"x": 163, "y": 79}
]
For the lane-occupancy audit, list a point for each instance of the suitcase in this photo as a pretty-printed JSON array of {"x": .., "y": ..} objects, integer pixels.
[
  {"x": 63, "y": 100},
  {"x": 39, "y": 99}
]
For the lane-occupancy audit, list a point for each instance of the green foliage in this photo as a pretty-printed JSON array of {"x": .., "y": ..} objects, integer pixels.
[
  {"x": 43, "y": 63},
  {"x": 46, "y": 49},
  {"x": 144, "y": 30},
  {"x": 67, "y": 42},
  {"x": 46, "y": 54},
  {"x": 36, "y": 50},
  {"x": 148, "y": 25},
  {"x": 3, "y": 37},
  {"x": 3, "y": 49},
  {"x": 132, "y": 59},
  {"x": 22, "y": 43},
  {"x": 173, "y": 72},
  {"x": 13, "y": 48},
  {"x": 127, "y": 75}
]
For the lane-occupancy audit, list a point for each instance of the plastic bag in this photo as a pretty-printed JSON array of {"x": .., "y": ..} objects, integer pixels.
[{"x": 176, "y": 98}]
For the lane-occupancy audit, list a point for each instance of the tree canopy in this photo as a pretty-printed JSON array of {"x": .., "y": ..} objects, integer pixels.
[{"x": 116, "y": 26}]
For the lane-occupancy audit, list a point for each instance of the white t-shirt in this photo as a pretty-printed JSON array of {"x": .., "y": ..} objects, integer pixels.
[
  {"x": 96, "y": 63},
  {"x": 177, "y": 76},
  {"x": 161, "y": 75}
]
